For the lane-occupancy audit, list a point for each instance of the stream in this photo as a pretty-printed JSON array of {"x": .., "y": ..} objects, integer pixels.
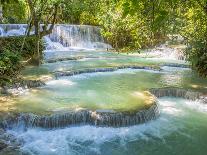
[{"x": 111, "y": 89}]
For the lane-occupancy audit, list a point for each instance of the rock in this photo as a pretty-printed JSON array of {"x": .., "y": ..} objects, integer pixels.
[
  {"x": 4, "y": 90},
  {"x": 176, "y": 92},
  {"x": 97, "y": 118},
  {"x": 203, "y": 99},
  {"x": 11, "y": 151},
  {"x": 3, "y": 144},
  {"x": 20, "y": 87},
  {"x": 109, "y": 69}
]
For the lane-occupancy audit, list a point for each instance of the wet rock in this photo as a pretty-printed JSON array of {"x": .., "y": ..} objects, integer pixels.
[
  {"x": 8, "y": 143},
  {"x": 176, "y": 65},
  {"x": 97, "y": 118},
  {"x": 110, "y": 69},
  {"x": 11, "y": 151},
  {"x": 3, "y": 144},
  {"x": 63, "y": 59},
  {"x": 20, "y": 87},
  {"x": 4, "y": 90},
  {"x": 176, "y": 92},
  {"x": 203, "y": 99},
  {"x": 31, "y": 83}
]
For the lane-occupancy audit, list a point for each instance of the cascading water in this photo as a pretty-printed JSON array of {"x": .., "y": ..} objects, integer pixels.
[
  {"x": 1, "y": 31},
  {"x": 165, "y": 52},
  {"x": 180, "y": 126},
  {"x": 78, "y": 36},
  {"x": 91, "y": 92},
  {"x": 63, "y": 37},
  {"x": 12, "y": 29}
]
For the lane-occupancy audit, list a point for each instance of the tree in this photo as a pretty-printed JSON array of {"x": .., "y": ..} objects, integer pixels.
[{"x": 42, "y": 16}]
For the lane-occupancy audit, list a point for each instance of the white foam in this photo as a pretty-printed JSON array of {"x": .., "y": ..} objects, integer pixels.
[
  {"x": 109, "y": 73},
  {"x": 77, "y": 140},
  {"x": 60, "y": 82},
  {"x": 164, "y": 52},
  {"x": 174, "y": 69},
  {"x": 196, "y": 105}
]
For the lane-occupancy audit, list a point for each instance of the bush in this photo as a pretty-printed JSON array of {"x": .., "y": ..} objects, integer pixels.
[
  {"x": 15, "y": 44},
  {"x": 9, "y": 66},
  {"x": 197, "y": 55},
  {"x": 11, "y": 55}
]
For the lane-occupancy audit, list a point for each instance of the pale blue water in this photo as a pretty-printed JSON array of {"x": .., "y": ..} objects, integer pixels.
[{"x": 180, "y": 129}]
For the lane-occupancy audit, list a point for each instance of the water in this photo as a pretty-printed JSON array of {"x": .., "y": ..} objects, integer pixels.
[
  {"x": 79, "y": 36},
  {"x": 180, "y": 129},
  {"x": 12, "y": 29},
  {"x": 99, "y": 81},
  {"x": 164, "y": 51},
  {"x": 63, "y": 37},
  {"x": 121, "y": 90}
]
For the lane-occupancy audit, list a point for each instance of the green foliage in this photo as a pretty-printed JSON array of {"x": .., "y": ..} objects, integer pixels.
[
  {"x": 15, "y": 44},
  {"x": 14, "y": 11},
  {"x": 197, "y": 55},
  {"x": 12, "y": 54},
  {"x": 195, "y": 31},
  {"x": 79, "y": 11},
  {"x": 127, "y": 24},
  {"x": 9, "y": 66}
]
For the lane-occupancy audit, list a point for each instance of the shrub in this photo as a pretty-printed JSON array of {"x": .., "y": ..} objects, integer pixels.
[{"x": 12, "y": 54}]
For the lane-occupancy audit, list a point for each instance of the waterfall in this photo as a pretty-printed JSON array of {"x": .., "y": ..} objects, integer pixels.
[
  {"x": 1, "y": 31},
  {"x": 63, "y": 36},
  {"x": 12, "y": 29},
  {"x": 50, "y": 45},
  {"x": 108, "y": 69},
  {"x": 176, "y": 92},
  {"x": 164, "y": 51},
  {"x": 78, "y": 36},
  {"x": 108, "y": 118}
]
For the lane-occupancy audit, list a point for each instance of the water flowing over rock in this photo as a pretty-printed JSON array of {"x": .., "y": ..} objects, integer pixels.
[
  {"x": 19, "y": 87},
  {"x": 108, "y": 118},
  {"x": 78, "y": 36},
  {"x": 63, "y": 59},
  {"x": 63, "y": 36},
  {"x": 165, "y": 52},
  {"x": 176, "y": 92},
  {"x": 203, "y": 99},
  {"x": 109, "y": 69},
  {"x": 176, "y": 65},
  {"x": 8, "y": 144},
  {"x": 1, "y": 31},
  {"x": 12, "y": 29}
]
